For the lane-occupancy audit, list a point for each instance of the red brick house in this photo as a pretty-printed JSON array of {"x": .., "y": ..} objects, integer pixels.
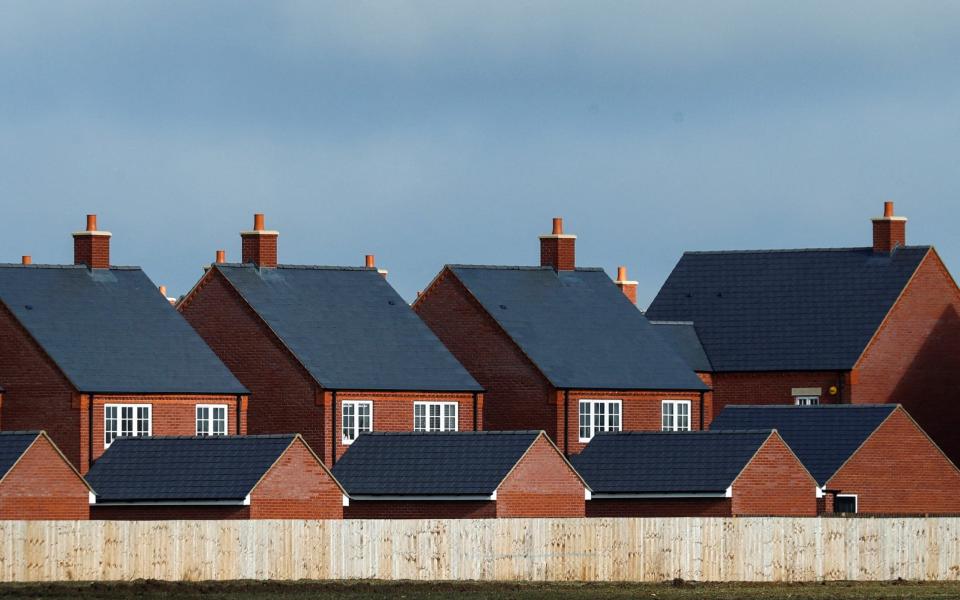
[
  {"x": 868, "y": 459},
  {"x": 560, "y": 348},
  {"x": 215, "y": 477},
  {"x": 330, "y": 352},
  {"x": 37, "y": 482},
  {"x": 90, "y": 351},
  {"x": 463, "y": 475},
  {"x": 870, "y": 325}
]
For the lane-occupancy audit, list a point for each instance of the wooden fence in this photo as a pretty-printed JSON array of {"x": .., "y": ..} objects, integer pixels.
[{"x": 701, "y": 549}]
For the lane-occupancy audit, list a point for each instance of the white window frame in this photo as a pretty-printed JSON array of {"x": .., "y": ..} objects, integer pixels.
[
  {"x": 443, "y": 416},
  {"x": 591, "y": 416},
  {"x": 355, "y": 404},
  {"x": 211, "y": 408},
  {"x": 856, "y": 503},
  {"x": 806, "y": 400},
  {"x": 135, "y": 432},
  {"x": 675, "y": 415}
]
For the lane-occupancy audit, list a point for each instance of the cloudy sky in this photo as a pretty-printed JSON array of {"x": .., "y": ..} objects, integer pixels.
[{"x": 435, "y": 132}]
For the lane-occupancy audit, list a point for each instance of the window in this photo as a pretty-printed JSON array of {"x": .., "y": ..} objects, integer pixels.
[
  {"x": 357, "y": 419},
  {"x": 434, "y": 416},
  {"x": 675, "y": 415},
  {"x": 845, "y": 503},
  {"x": 597, "y": 416},
  {"x": 806, "y": 400},
  {"x": 211, "y": 419},
  {"x": 125, "y": 420}
]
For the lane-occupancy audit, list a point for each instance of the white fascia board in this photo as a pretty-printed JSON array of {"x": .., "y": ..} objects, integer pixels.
[{"x": 346, "y": 500}]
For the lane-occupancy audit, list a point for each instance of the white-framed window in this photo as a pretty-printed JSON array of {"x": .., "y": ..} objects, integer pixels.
[
  {"x": 597, "y": 416},
  {"x": 211, "y": 419},
  {"x": 806, "y": 400},
  {"x": 357, "y": 418},
  {"x": 435, "y": 416},
  {"x": 845, "y": 503},
  {"x": 126, "y": 420},
  {"x": 675, "y": 415}
]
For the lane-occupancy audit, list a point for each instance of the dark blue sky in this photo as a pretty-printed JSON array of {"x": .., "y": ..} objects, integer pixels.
[{"x": 435, "y": 132}]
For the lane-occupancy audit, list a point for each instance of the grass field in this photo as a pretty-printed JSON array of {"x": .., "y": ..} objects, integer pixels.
[{"x": 244, "y": 590}]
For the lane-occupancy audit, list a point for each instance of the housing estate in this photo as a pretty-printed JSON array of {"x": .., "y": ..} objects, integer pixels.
[
  {"x": 475, "y": 475},
  {"x": 560, "y": 348},
  {"x": 90, "y": 352},
  {"x": 223, "y": 477},
  {"x": 330, "y": 352},
  {"x": 869, "y": 459},
  {"x": 37, "y": 482},
  {"x": 868, "y": 325}
]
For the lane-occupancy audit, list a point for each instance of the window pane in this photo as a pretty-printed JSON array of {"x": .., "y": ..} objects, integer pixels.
[
  {"x": 434, "y": 417},
  {"x": 599, "y": 417},
  {"x": 348, "y": 421},
  {"x": 364, "y": 425},
  {"x": 613, "y": 423},
  {"x": 143, "y": 420},
  {"x": 220, "y": 420},
  {"x": 110, "y": 424},
  {"x": 449, "y": 417},
  {"x": 667, "y": 416},
  {"x": 683, "y": 416},
  {"x": 585, "y": 420},
  {"x": 419, "y": 417},
  {"x": 126, "y": 420},
  {"x": 203, "y": 416}
]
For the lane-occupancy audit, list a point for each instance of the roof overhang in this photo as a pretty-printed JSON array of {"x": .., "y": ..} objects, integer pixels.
[{"x": 728, "y": 493}]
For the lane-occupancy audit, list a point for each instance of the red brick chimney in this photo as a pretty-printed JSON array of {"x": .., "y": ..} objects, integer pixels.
[
  {"x": 558, "y": 250},
  {"x": 92, "y": 247},
  {"x": 889, "y": 231},
  {"x": 260, "y": 245},
  {"x": 629, "y": 288},
  {"x": 371, "y": 263},
  {"x": 26, "y": 259}
]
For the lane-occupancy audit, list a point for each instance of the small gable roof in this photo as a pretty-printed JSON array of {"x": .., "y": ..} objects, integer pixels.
[
  {"x": 468, "y": 463},
  {"x": 185, "y": 469},
  {"x": 696, "y": 462},
  {"x": 349, "y": 328},
  {"x": 578, "y": 328},
  {"x": 110, "y": 331},
  {"x": 770, "y": 310},
  {"x": 12, "y": 446},
  {"x": 823, "y": 437},
  {"x": 682, "y": 337}
]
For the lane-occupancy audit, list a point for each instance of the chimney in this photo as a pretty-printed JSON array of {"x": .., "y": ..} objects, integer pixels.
[
  {"x": 371, "y": 263},
  {"x": 92, "y": 247},
  {"x": 221, "y": 256},
  {"x": 26, "y": 259},
  {"x": 629, "y": 288},
  {"x": 260, "y": 245},
  {"x": 163, "y": 292},
  {"x": 889, "y": 231},
  {"x": 557, "y": 250}
]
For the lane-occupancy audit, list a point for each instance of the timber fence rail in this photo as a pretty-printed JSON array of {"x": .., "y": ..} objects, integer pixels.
[{"x": 655, "y": 549}]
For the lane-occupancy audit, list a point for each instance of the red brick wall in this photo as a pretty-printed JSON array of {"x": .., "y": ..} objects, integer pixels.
[
  {"x": 168, "y": 513},
  {"x": 517, "y": 395},
  {"x": 541, "y": 485},
  {"x": 899, "y": 471},
  {"x": 680, "y": 507},
  {"x": 297, "y": 487},
  {"x": 640, "y": 411},
  {"x": 559, "y": 253},
  {"x": 91, "y": 250},
  {"x": 914, "y": 359},
  {"x": 42, "y": 486},
  {"x": 774, "y": 483},
  {"x": 424, "y": 509},
  {"x": 708, "y": 410},
  {"x": 774, "y": 387},
  {"x": 259, "y": 249}
]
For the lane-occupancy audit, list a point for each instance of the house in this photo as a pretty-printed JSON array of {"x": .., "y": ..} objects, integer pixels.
[
  {"x": 90, "y": 351},
  {"x": 221, "y": 477},
  {"x": 869, "y": 459},
  {"x": 560, "y": 348},
  {"x": 701, "y": 473},
  {"x": 463, "y": 475},
  {"x": 869, "y": 325},
  {"x": 37, "y": 482},
  {"x": 330, "y": 352}
]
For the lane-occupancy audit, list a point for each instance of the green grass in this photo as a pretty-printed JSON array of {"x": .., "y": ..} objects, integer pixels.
[{"x": 357, "y": 590}]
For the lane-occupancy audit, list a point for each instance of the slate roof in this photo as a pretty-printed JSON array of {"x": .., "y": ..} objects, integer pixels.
[
  {"x": 431, "y": 464},
  {"x": 110, "y": 331},
  {"x": 12, "y": 446},
  {"x": 770, "y": 310},
  {"x": 578, "y": 328},
  {"x": 184, "y": 469},
  {"x": 349, "y": 328},
  {"x": 682, "y": 337},
  {"x": 667, "y": 463},
  {"x": 823, "y": 437}
]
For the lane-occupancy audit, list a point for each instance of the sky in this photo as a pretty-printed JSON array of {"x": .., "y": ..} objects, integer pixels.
[{"x": 452, "y": 132}]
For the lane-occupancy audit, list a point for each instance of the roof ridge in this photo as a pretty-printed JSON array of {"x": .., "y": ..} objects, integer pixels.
[
  {"x": 301, "y": 267},
  {"x": 22, "y": 432},
  {"x": 231, "y": 437},
  {"x": 787, "y": 250},
  {"x": 68, "y": 267},
  {"x": 518, "y": 267}
]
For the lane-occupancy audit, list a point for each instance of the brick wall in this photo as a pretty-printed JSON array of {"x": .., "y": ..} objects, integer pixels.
[
  {"x": 914, "y": 359},
  {"x": 297, "y": 487},
  {"x": 91, "y": 250},
  {"x": 542, "y": 484},
  {"x": 42, "y": 486},
  {"x": 168, "y": 513},
  {"x": 424, "y": 509},
  {"x": 708, "y": 409},
  {"x": 899, "y": 471},
  {"x": 680, "y": 507},
  {"x": 774, "y": 483},
  {"x": 775, "y": 387}
]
